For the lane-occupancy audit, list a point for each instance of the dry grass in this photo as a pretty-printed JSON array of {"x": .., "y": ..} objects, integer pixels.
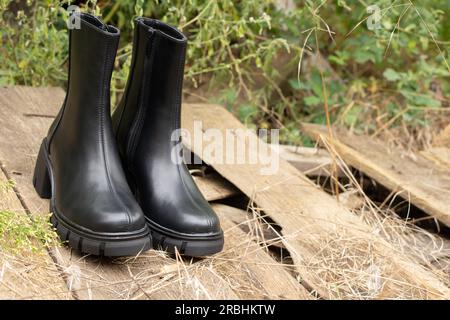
[
  {"x": 342, "y": 266},
  {"x": 345, "y": 267},
  {"x": 29, "y": 275},
  {"x": 349, "y": 267}
]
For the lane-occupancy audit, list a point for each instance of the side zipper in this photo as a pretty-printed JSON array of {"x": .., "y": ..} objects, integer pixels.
[{"x": 138, "y": 123}]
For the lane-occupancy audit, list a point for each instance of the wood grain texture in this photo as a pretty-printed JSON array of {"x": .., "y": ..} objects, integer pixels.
[
  {"x": 251, "y": 223},
  {"x": 439, "y": 155},
  {"x": 312, "y": 222},
  {"x": 26, "y": 274},
  {"x": 310, "y": 218},
  {"x": 214, "y": 187},
  {"x": 417, "y": 180},
  {"x": 25, "y": 116},
  {"x": 253, "y": 263},
  {"x": 310, "y": 161}
]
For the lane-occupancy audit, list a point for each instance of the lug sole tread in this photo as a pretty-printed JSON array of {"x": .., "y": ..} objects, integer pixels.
[
  {"x": 100, "y": 247},
  {"x": 194, "y": 248},
  {"x": 42, "y": 180}
]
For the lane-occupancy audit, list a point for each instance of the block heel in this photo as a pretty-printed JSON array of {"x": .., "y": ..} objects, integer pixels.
[
  {"x": 41, "y": 178},
  {"x": 88, "y": 242}
]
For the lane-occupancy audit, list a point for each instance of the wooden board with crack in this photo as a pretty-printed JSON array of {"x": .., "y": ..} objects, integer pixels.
[{"x": 25, "y": 115}]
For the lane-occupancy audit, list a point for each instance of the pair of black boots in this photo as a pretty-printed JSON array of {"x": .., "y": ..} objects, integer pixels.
[{"x": 118, "y": 184}]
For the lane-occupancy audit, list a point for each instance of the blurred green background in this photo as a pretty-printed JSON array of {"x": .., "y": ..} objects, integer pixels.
[{"x": 273, "y": 63}]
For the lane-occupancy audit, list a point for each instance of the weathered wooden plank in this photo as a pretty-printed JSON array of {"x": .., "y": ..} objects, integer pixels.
[
  {"x": 243, "y": 265},
  {"x": 351, "y": 199},
  {"x": 251, "y": 224},
  {"x": 156, "y": 276},
  {"x": 25, "y": 116},
  {"x": 419, "y": 181},
  {"x": 310, "y": 161},
  {"x": 27, "y": 274},
  {"x": 214, "y": 187},
  {"x": 316, "y": 229},
  {"x": 253, "y": 265},
  {"x": 145, "y": 275},
  {"x": 152, "y": 275},
  {"x": 439, "y": 155}
]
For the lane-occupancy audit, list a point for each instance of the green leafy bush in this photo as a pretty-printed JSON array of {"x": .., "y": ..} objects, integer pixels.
[
  {"x": 273, "y": 63},
  {"x": 20, "y": 234}
]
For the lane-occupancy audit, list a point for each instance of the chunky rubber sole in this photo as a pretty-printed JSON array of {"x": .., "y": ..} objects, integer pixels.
[
  {"x": 188, "y": 245},
  {"x": 100, "y": 244}
]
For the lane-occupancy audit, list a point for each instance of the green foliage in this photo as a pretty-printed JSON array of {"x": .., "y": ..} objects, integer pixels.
[
  {"x": 267, "y": 63},
  {"x": 33, "y": 44},
  {"x": 18, "y": 233}
]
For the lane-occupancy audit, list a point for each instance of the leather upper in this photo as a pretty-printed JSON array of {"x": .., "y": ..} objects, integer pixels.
[
  {"x": 90, "y": 187},
  {"x": 144, "y": 122}
]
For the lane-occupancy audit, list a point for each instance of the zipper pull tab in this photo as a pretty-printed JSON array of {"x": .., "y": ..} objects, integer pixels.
[{"x": 150, "y": 42}]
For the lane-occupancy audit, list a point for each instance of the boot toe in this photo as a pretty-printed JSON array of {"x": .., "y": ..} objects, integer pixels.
[
  {"x": 136, "y": 220},
  {"x": 128, "y": 220},
  {"x": 117, "y": 222},
  {"x": 206, "y": 223},
  {"x": 107, "y": 221}
]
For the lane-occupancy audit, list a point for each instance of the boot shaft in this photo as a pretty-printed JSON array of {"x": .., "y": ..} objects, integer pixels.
[
  {"x": 176, "y": 212},
  {"x": 92, "y": 50},
  {"x": 81, "y": 141},
  {"x": 154, "y": 88},
  {"x": 78, "y": 166}
]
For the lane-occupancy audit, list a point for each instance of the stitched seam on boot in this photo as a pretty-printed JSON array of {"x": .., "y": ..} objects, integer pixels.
[
  {"x": 102, "y": 139},
  {"x": 177, "y": 113},
  {"x": 177, "y": 125},
  {"x": 136, "y": 129},
  {"x": 131, "y": 77},
  {"x": 60, "y": 115}
]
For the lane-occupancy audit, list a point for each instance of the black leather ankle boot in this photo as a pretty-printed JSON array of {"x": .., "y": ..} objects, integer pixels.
[
  {"x": 175, "y": 210},
  {"x": 78, "y": 165}
]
